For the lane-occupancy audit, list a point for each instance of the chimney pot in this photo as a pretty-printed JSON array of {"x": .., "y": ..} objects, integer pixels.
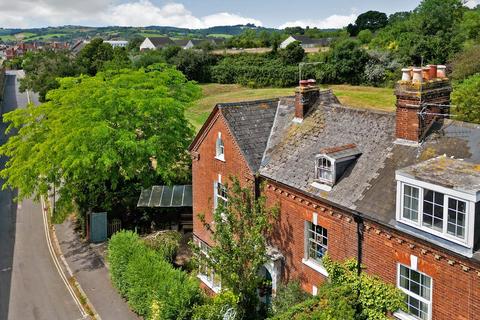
[
  {"x": 406, "y": 74},
  {"x": 303, "y": 83},
  {"x": 312, "y": 82},
  {"x": 441, "y": 71},
  {"x": 417, "y": 75},
  {"x": 433, "y": 71},
  {"x": 426, "y": 73}
]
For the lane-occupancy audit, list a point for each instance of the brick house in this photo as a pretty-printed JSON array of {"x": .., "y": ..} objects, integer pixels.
[{"x": 400, "y": 191}]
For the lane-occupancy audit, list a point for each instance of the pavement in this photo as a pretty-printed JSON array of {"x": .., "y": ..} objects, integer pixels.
[
  {"x": 88, "y": 267},
  {"x": 30, "y": 284}
]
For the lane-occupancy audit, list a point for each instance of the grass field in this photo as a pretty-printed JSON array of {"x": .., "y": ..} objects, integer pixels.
[{"x": 361, "y": 97}]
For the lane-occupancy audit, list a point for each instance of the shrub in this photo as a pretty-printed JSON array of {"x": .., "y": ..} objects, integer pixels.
[
  {"x": 466, "y": 98},
  {"x": 287, "y": 296},
  {"x": 165, "y": 242},
  {"x": 153, "y": 288},
  {"x": 466, "y": 63},
  {"x": 217, "y": 307}
]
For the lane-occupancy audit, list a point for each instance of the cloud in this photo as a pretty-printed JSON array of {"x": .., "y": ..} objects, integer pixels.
[
  {"x": 145, "y": 13},
  {"x": 34, "y": 13},
  {"x": 472, "y": 3},
  {"x": 333, "y": 21}
]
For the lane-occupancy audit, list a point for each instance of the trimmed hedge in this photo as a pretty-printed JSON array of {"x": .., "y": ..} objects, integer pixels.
[{"x": 153, "y": 287}]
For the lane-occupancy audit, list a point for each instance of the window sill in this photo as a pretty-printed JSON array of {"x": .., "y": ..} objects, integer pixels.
[
  {"x": 315, "y": 266},
  {"x": 401, "y": 315},
  {"x": 209, "y": 284},
  {"x": 220, "y": 158},
  {"x": 321, "y": 186}
]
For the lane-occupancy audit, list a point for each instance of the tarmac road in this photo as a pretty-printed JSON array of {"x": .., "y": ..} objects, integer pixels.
[{"x": 30, "y": 285}]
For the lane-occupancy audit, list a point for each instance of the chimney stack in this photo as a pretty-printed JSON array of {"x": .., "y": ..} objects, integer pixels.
[
  {"x": 306, "y": 95},
  {"x": 423, "y": 98}
]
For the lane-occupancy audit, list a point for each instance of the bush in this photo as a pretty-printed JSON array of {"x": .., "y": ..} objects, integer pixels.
[
  {"x": 217, "y": 307},
  {"x": 153, "y": 288},
  {"x": 287, "y": 296},
  {"x": 466, "y": 63},
  {"x": 466, "y": 98},
  {"x": 165, "y": 242}
]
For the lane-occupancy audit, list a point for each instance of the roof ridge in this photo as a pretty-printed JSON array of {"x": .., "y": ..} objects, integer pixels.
[
  {"x": 359, "y": 109},
  {"x": 246, "y": 103}
]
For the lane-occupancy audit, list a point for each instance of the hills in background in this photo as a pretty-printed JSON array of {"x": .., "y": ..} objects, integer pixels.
[{"x": 70, "y": 33}]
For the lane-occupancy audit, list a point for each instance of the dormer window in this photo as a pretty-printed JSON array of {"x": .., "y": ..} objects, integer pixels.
[
  {"x": 331, "y": 163},
  {"x": 324, "y": 170},
  {"x": 220, "y": 149},
  {"x": 439, "y": 196}
]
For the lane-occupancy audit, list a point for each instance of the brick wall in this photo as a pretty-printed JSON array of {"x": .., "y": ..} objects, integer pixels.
[
  {"x": 205, "y": 170},
  {"x": 456, "y": 281}
]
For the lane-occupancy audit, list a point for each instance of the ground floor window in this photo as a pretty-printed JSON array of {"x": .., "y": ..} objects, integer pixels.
[
  {"x": 205, "y": 272},
  {"x": 317, "y": 241},
  {"x": 418, "y": 290}
]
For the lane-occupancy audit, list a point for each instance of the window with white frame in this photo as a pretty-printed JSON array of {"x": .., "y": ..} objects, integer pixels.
[
  {"x": 205, "y": 272},
  {"x": 221, "y": 197},
  {"x": 434, "y": 212},
  {"x": 220, "y": 149},
  {"x": 317, "y": 241},
  {"x": 324, "y": 170},
  {"x": 418, "y": 290}
]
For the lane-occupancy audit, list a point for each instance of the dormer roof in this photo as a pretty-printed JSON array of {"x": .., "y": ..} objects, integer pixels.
[{"x": 341, "y": 152}]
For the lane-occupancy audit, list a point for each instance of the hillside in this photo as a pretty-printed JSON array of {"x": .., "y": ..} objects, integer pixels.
[{"x": 71, "y": 33}]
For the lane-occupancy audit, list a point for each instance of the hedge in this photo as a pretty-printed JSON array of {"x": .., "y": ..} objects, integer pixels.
[{"x": 153, "y": 287}]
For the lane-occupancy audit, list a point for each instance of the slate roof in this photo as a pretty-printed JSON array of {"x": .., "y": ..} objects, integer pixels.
[
  {"x": 181, "y": 42},
  {"x": 160, "y": 42},
  {"x": 369, "y": 184},
  {"x": 250, "y": 123}
]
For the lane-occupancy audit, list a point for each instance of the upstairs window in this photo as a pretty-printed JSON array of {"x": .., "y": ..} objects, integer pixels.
[
  {"x": 317, "y": 242},
  {"x": 220, "y": 193},
  {"x": 324, "y": 170},
  {"x": 435, "y": 212},
  {"x": 220, "y": 149}
]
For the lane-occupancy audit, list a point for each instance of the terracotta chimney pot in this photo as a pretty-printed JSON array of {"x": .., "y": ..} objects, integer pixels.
[
  {"x": 433, "y": 71},
  {"x": 417, "y": 75},
  {"x": 441, "y": 71},
  {"x": 312, "y": 82},
  {"x": 426, "y": 73},
  {"x": 303, "y": 83},
  {"x": 406, "y": 74}
]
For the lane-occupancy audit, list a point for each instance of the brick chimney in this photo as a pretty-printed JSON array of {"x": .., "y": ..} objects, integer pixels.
[
  {"x": 306, "y": 95},
  {"x": 423, "y": 98}
]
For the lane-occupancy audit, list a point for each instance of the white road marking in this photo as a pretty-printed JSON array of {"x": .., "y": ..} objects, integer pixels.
[{"x": 57, "y": 264}]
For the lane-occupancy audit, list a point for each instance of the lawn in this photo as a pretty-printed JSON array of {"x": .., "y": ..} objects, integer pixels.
[{"x": 361, "y": 97}]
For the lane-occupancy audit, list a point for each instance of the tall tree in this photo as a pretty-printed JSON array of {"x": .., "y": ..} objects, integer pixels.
[
  {"x": 97, "y": 137},
  {"x": 94, "y": 55},
  {"x": 370, "y": 20},
  {"x": 239, "y": 231},
  {"x": 42, "y": 68}
]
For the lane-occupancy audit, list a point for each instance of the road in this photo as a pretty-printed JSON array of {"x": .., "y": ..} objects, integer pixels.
[{"x": 30, "y": 285}]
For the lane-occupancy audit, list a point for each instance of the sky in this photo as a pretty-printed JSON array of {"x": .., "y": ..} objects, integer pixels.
[{"x": 193, "y": 13}]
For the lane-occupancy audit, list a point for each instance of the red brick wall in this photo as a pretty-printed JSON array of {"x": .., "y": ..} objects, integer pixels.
[
  {"x": 456, "y": 282},
  {"x": 206, "y": 168}
]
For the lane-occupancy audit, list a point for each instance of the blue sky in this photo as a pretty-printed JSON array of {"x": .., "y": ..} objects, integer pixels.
[{"x": 192, "y": 13}]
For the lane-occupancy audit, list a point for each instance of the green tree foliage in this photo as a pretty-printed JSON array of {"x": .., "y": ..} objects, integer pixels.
[
  {"x": 239, "y": 231},
  {"x": 293, "y": 53},
  {"x": 166, "y": 243},
  {"x": 348, "y": 296},
  {"x": 93, "y": 56},
  {"x": 216, "y": 307},
  {"x": 154, "y": 289},
  {"x": 466, "y": 63},
  {"x": 120, "y": 60},
  {"x": 194, "y": 64},
  {"x": 470, "y": 26},
  {"x": 134, "y": 43},
  {"x": 466, "y": 99},
  {"x": 255, "y": 70},
  {"x": 287, "y": 296},
  {"x": 365, "y": 36},
  {"x": 345, "y": 63},
  {"x": 98, "y": 136},
  {"x": 42, "y": 68},
  {"x": 147, "y": 58},
  {"x": 370, "y": 20},
  {"x": 381, "y": 69},
  {"x": 430, "y": 32}
]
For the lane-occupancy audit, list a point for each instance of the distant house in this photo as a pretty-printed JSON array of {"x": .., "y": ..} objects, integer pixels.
[
  {"x": 306, "y": 42},
  {"x": 156, "y": 43},
  {"x": 117, "y": 43},
  {"x": 182, "y": 43}
]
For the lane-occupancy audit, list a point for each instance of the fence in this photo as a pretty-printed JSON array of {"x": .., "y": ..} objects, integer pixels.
[{"x": 114, "y": 226}]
